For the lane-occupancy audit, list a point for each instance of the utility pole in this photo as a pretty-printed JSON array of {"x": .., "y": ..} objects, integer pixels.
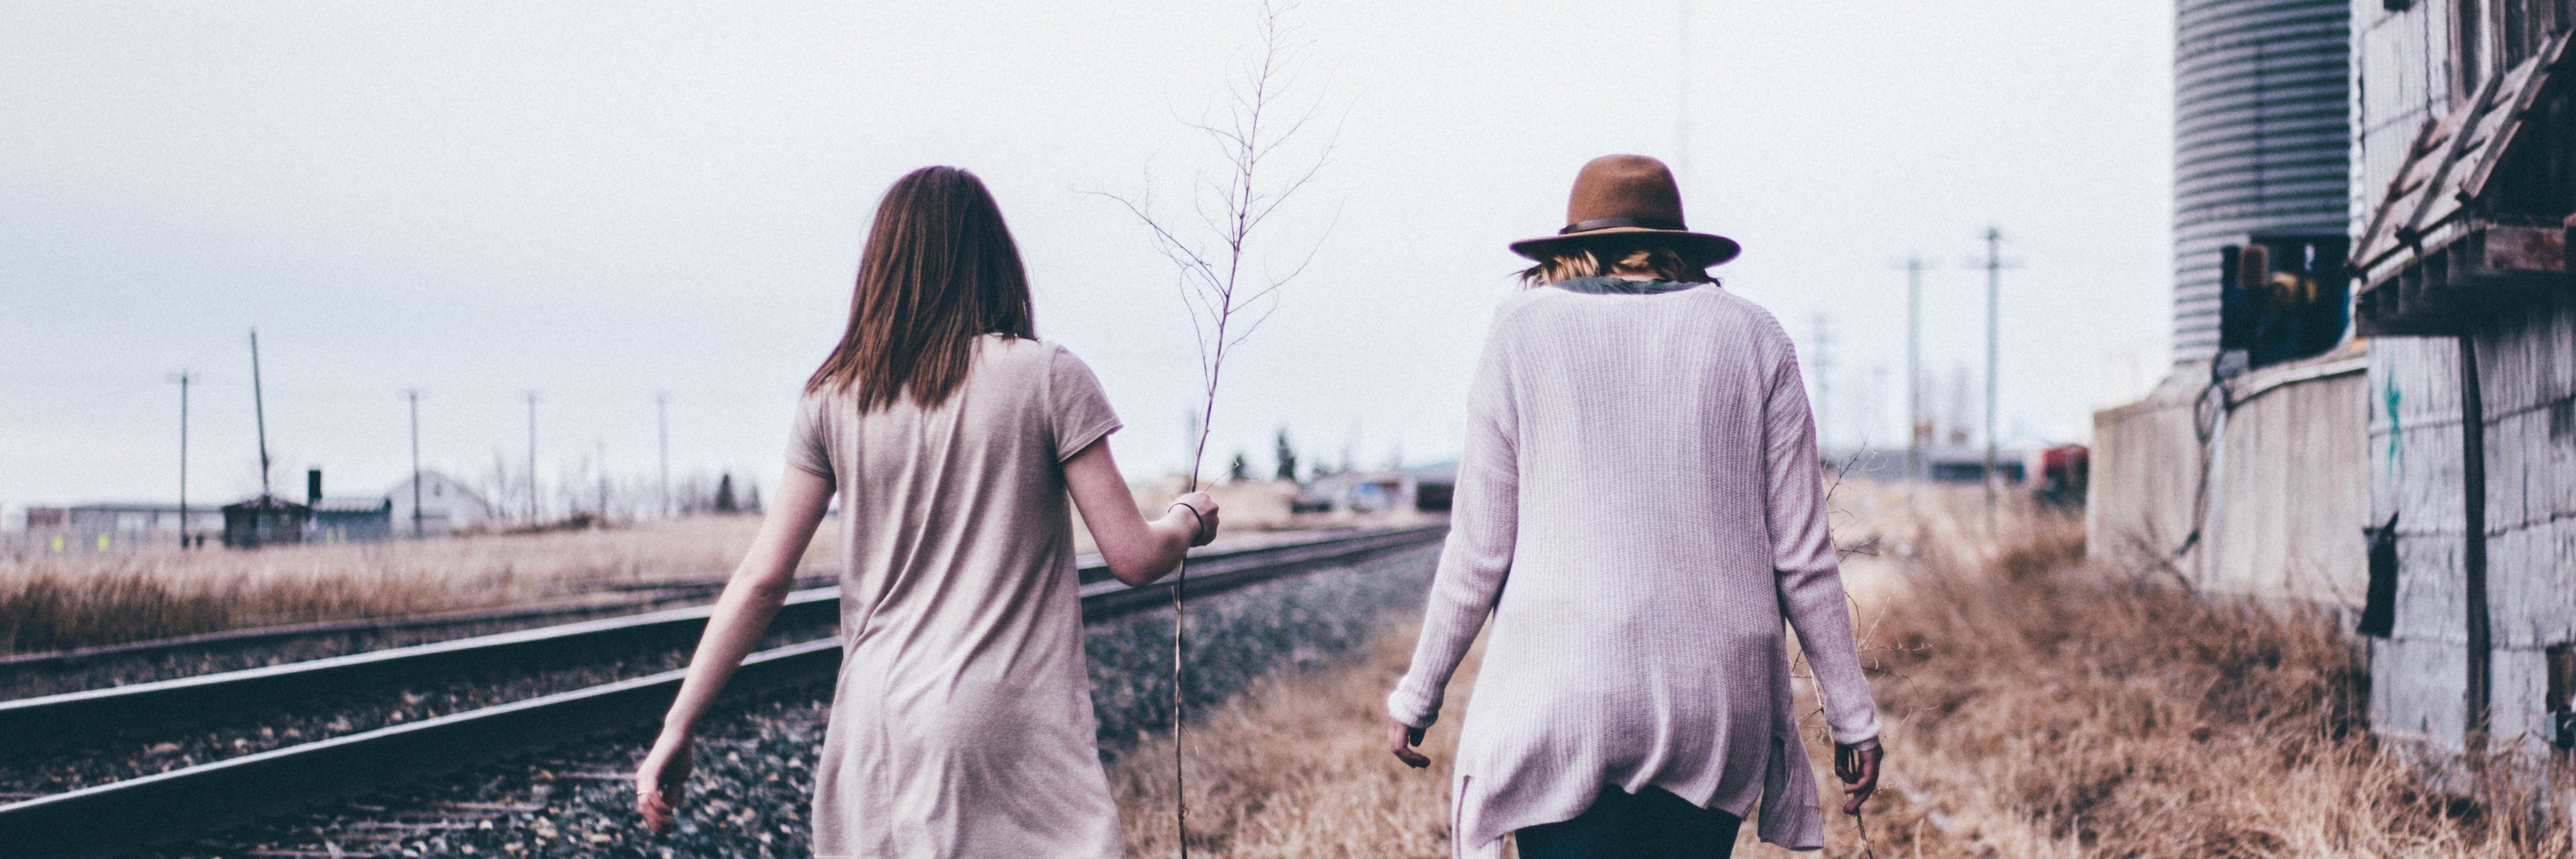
[
  {"x": 662, "y": 420},
  {"x": 414, "y": 396},
  {"x": 1824, "y": 379},
  {"x": 1682, "y": 99},
  {"x": 1995, "y": 265},
  {"x": 1916, "y": 427},
  {"x": 259, "y": 410},
  {"x": 602, "y": 446},
  {"x": 532, "y": 457},
  {"x": 183, "y": 377}
]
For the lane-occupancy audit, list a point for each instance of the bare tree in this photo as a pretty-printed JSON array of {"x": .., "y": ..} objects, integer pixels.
[
  {"x": 1213, "y": 249},
  {"x": 1264, "y": 143}
]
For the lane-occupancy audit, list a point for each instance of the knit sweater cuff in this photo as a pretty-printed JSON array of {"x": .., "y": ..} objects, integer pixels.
[
  {"x": 1412, "y": 708},
  {"x": 1864, "y": 737}
]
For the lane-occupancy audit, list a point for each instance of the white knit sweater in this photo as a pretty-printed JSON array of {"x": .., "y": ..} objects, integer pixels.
[{"x": 1638, "y": 506}]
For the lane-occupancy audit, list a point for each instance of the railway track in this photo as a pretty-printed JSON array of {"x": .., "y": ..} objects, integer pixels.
[{"x": 109, "y": 819}]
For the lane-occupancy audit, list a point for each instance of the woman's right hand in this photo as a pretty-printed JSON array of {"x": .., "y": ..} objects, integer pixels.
[
  {"x": 1400, "y": 739},
  {"x": 662, "y": 779},
  {"x": 1203, "y": 506}
]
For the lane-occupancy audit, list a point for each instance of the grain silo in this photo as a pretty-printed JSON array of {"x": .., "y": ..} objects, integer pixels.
[{"x": 2262, "y": 140}]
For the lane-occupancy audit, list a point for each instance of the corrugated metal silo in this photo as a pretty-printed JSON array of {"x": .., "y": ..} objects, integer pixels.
[{"x": 2262, "y": 139}]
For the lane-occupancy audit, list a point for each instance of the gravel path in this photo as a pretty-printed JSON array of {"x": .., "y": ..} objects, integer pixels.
[
  {"x": 144, "y": 753},
  {"x": 754, "y": 776}
]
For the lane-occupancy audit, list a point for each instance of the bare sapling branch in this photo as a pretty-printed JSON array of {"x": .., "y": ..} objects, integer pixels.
[
  {"x": 1256, "y": 129},
  {"x": 1265, "y": 136}
]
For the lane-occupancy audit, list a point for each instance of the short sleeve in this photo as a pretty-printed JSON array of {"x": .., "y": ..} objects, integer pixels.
[
  {"x": 1077, "y": 410},
  {"x": 808, "y": 438}
]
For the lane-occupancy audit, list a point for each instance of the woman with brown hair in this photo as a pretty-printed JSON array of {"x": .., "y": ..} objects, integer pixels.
[
  {"x": 1638, "y": 508},
  {"x": 961, "y": 721}
]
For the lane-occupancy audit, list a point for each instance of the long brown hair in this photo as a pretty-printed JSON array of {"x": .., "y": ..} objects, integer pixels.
[
  {"x": 1604, "y": 256},
  {"x": 939, "y": 270}
]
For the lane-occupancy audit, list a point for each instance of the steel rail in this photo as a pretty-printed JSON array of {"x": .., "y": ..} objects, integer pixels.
[
  {"x": 637, "y": 597},
  {"x": 35, "y": 724},
  {"x": 642, "y": 594},
  {"x": 109, "y": 819}
]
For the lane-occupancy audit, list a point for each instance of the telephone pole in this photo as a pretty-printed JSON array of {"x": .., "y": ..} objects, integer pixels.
[
  {"x": 602, "y": 446},
  {"x": 1916, "y": 428},
  {"x": 1994, "y": 264},
  {"x": 532, "y": 457},
  {"x": 1682, "y": 100},
  {"x": 259, "y": 410},
  {"x": 662, "y": 421},
  {"x": 414, "y": 396},
  {"x": 1824, "y": 379},
  {"x": 183, "y": 377}
]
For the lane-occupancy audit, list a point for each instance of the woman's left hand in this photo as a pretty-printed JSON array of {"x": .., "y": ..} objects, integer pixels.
[
  {"x": 1400, "y": 739},
  {"x": 661, "y": 780}
]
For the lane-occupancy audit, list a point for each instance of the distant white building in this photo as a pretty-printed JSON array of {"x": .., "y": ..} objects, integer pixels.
[{"x": 446, "y": 506}]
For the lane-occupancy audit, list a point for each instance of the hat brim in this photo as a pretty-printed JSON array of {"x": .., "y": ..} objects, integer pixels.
[{"x": 1714, "y": 249}]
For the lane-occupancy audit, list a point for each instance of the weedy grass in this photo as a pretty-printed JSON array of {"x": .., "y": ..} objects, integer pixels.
[
  {"x": 2039, "y": 705},
  {"x": 58, "y": 603},
  {"x": 2035, "y": 706},
  {"x": 1298, "y": 767}
]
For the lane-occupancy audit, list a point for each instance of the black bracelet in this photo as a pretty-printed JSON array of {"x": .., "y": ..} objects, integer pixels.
[{"x": 1195, "y": 516}]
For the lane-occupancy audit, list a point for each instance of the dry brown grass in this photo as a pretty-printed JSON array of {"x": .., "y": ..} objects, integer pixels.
[
  {"x": 1298, "y": 768},
  {"x": 2035, "y": 707},
  {"x": 57, "y": 603},
  {"x": 2043, "y": 707}
]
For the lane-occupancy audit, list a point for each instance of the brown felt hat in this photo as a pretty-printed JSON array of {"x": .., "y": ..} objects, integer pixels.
[{"x": 1627, "y": 195}]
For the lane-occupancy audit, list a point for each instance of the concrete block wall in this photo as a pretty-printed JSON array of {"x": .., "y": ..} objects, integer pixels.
[
  {"x": 2527, "y": 376},
  {"x": 2286, "y": 494}
]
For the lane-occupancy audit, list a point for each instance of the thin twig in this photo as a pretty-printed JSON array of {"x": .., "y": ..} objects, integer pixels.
[{"x": 1210, "y": 262}]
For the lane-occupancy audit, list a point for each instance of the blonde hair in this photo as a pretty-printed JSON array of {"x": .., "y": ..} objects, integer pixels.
[{"x": 1609, "y": 256}]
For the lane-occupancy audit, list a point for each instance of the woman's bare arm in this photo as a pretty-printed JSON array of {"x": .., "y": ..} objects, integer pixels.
[
  {"x": 1137, "y": 551},
  {"x": 750, "y": 600}
]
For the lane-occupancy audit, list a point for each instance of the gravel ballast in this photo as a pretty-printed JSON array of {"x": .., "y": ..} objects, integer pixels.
[{"x": 750, "y": 795}]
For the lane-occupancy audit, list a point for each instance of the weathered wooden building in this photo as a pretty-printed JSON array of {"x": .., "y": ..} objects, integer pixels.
[{"x": 2466, "y": 176}]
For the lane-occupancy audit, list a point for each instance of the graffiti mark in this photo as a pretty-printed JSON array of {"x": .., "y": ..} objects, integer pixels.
[{"x": 2396, "y": 430}]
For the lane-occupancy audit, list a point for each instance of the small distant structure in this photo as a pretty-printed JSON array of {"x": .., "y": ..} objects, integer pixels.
[
  {"x": 115, "y": 527},
  {"x": 345, "y": 520},
  {"x": 1424, "y": 488},
  {"x": 2064, "y": 473},
  {"x": 266, "y": 520},
  {"x": 1958, "y": 463},
  {"x": 447, "y": 506}
]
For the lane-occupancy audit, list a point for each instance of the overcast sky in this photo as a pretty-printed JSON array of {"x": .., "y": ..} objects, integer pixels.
[{"x": 603, "y": 202}]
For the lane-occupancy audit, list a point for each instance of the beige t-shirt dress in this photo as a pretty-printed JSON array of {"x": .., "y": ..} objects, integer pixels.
[{"x": 961, "y": 723}]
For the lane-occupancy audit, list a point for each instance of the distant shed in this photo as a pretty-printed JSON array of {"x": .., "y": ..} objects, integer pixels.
[
  {"x": 352, "y": 520},
  {"x": 265, "y": 521}
]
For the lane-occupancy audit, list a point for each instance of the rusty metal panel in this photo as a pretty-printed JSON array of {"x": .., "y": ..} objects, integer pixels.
[{"x": 2526, "y": 248}]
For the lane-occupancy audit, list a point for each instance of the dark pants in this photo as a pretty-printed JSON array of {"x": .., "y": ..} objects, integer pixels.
[{"x": 1621, "y": 825}]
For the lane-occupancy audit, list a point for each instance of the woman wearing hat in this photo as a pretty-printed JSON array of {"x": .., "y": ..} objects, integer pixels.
[{"x": 1638, "y": 508}]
